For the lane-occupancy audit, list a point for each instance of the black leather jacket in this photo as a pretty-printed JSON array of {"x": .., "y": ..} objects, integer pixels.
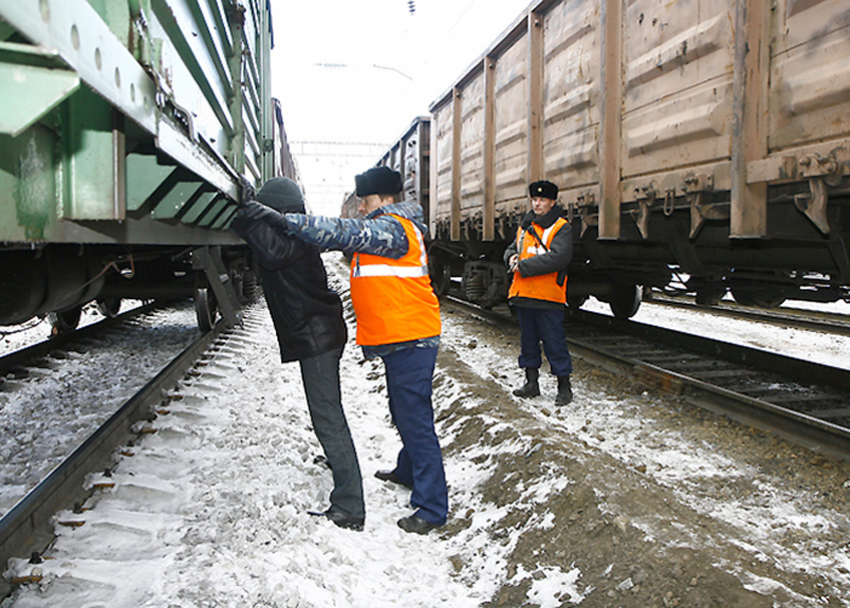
[{"x": 307, "y": 314}]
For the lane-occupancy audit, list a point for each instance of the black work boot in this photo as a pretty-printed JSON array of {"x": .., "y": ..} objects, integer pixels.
[
  {"x": 531, "y": 388},
  {"x": 565, "y": 391}
]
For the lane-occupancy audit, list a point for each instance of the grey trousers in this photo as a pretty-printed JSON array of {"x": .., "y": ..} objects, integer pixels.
[{"x": 320, "y": 375}]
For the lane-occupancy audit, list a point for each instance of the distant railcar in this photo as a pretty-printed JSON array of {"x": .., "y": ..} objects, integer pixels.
[
  {"x": 703, "y": 140},
  {"x": 409, "y": 155},
  {"x": 124, "y": 129}
]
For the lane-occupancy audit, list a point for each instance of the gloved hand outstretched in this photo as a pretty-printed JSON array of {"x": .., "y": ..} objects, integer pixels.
[{"x": 246, "y": 191}]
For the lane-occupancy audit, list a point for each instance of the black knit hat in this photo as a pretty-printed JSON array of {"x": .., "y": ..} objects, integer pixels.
[
  {"x": 543, "y": 189},
  {"x": 281, "y": 194},
  {"x": 378, "y": 180}
]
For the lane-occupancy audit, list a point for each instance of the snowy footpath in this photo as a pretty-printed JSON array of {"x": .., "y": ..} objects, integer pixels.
[
  {"x": 627, "y": 497},
  {"x": 211, "y": 510}
]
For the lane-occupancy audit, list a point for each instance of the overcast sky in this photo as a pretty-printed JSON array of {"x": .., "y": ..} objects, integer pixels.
[{"x": 350, "y": 71}]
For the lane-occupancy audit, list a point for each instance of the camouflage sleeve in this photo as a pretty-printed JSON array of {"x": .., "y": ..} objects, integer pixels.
[{"x": 382, "y": 236}]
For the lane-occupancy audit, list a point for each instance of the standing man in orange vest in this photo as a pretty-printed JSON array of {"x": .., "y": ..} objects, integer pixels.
[
  {"x": 398, "y": 320},
  {"x": 538, "y": 259}
]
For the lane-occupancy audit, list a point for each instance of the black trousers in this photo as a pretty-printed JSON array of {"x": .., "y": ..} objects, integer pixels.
[
  {"x": 543, "y": 325},
  {"x": 320, "y": 375}
]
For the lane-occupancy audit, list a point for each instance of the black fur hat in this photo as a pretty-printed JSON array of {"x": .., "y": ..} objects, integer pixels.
[
  {"x": 282, "y": 194},
  {"x": 543, "y": 189},
  {"x": 378, "y": 180}
]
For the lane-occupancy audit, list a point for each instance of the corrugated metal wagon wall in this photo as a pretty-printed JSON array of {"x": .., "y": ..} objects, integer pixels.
[{"x": 645, "y": 103}]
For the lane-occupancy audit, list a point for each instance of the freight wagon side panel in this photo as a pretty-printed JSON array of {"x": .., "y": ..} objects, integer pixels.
[
  {"x": 409, "y": 156},
  {"x": 571, "y": 95},
  {"x": 511, "y": 106},
  {"x": 442, "y": 138},
  {"x": 472, "y": 150},
  {"x": 129, "y": 122},
  {"x": 809, "y": 73},
  {"x": 418, "y": 165},
  {"x": 677, "y": 97}
]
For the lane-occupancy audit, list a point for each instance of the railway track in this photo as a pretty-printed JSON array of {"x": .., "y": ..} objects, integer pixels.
[
  {"x": 805, "y": 402},
  {"x": 785, "y": 317},
  {"x": 26, "y": 528},
  {"x": 18, "y": 360}
]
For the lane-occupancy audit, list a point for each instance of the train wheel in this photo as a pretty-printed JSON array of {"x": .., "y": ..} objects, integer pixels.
[
  {"x": 441, "y": 276},
  {"x": 626, "y": 301},
  {"x": 66, "y": 321},
  {"x": 205, "y": 308},
  {"x": 760, "y": 298},
  {"x": 575, "y": 302},
  {"x": 109, "y": 308}
]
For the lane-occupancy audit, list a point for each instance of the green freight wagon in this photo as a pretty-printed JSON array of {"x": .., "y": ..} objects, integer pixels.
[{"x": 125, "y": 126}]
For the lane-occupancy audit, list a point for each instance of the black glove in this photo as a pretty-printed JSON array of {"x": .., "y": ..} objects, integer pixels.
[{"x": 246, "y": 191}]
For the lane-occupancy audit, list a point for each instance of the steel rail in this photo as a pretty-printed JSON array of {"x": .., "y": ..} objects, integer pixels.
[
  {"x": 799, "y": 369},
  {"x": 817, "y": 434},
  {"x": 785, "y": 317},
  {"x": 45, "y": 347},
  {"x": 26, "y": 527}
]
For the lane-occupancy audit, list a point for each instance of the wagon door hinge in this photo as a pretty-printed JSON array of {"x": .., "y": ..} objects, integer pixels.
[
  {"x": 813, "y": 204},
  {"x": 695, "y": 189},
  {"x": 583, "y": 204},
  {"x": 646, "y": 197},
  {"x": 822, "y": 172}
]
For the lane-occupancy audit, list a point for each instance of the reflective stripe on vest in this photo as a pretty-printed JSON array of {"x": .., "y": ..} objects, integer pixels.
[
  {"x": 393, "y": 299},
  {"x": 542, "y": 287}
]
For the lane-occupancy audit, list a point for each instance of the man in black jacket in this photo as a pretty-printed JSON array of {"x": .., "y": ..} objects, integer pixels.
[{"x": 308, "y": 320}]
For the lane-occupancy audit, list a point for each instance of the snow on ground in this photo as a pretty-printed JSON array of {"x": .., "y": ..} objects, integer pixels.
[
  {"x": 16, "y": 337},
  {"x": 211, "y": 510},
  {"x": 828, "y": 349},
  {"x": 46, "y": 415}
]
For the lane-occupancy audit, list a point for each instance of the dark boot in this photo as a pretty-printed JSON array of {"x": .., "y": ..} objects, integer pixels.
[
  {"x": 565, "y": 391},
  {"x": 531, "y": 388}
]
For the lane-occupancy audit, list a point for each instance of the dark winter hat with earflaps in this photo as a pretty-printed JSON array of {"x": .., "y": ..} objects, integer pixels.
[
  {"x": 378, "y": 180},
  {"x": 544, "y": 189}
]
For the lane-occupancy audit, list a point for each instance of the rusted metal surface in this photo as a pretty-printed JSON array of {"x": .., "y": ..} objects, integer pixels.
[
  {"x": 612, "y": 130},
  {"x": 410, "y": 156},
  {"x": 749, "y": 120},
  {"x": 676, "y": 64}
]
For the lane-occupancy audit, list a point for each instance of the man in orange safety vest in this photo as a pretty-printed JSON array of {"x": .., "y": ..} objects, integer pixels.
[
  {"x": 538, "y": 258},
  {"x": 398, "y": 320}
]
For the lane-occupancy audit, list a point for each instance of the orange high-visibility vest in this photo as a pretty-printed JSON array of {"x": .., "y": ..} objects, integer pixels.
[
  {"x": 544, "y": 286},
  {"x": 393, "y": 299}
]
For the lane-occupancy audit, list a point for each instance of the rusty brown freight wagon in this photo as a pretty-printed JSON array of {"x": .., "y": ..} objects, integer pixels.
[{"x": 703, "y": 140}]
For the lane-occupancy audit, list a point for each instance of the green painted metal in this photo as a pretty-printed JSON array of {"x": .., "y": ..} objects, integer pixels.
[
  {"x": 94, "y": 185},
  {"x": 34, "y": 82},
  {"x": 199, "y": 207},
  {"x": 236, "y": 152},
  {"x": 28, "y": 175},
  {"x": 212, "y": 213},
  {"x": 177, "y": 199},
  {"x": 144, "y": 176},
  {"x": 127, "y": 115},
  {"x": 223, "y": 220}
]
